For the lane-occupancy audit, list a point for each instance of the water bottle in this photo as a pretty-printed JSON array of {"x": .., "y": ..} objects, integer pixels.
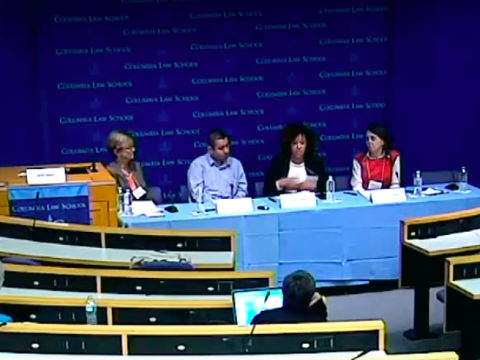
[
  {"x": 91, "y": 311},
  {"x": 417, "y": 184},
  {"x": 127, "y": 202},
  {"x": 200, "y": 204},
  {"x": 330, "y": 189},
  {"x": 120, "y": 200},
  {"x": 463, "y": 180}
]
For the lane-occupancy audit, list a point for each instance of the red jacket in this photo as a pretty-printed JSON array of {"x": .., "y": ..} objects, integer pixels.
[{"x": 380, "y": 170}]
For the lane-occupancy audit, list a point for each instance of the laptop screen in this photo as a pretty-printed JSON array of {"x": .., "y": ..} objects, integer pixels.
[{"x": 248, "y": 303}]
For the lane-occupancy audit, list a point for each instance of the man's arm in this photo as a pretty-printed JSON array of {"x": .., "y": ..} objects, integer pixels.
[
  {"x": 242, "y": 184},
  {"x": 195, "y": 179}
]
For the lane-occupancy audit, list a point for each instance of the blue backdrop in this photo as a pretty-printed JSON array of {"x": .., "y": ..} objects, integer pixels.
[{"x": 169, "y": 71}]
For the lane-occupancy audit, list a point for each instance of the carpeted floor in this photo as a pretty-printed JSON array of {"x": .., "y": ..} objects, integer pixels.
[{"x": 396, "y": 309}]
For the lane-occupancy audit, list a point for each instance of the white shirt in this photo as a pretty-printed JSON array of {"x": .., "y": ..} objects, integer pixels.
[
  {"x": 295, "y": 171},
  {"x": 357, "y": 182}
]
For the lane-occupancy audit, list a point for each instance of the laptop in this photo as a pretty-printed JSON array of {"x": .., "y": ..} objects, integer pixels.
[{"x": 248, "y": 303}]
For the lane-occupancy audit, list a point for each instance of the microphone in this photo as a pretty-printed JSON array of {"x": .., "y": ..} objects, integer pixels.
[
  {"x": 250, "y": 336},
  {"x": 364, "y": 352},
  {"x": 93, "y": 168},
  {"x": 33, "y": 230}
]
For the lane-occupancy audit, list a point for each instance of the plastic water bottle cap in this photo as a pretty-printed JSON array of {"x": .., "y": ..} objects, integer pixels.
[
  {"x": 330, "y": 177},
  {"x": 418, "y": 173}
]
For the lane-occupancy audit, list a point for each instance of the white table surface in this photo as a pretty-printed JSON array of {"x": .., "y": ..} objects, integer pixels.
[
  {"x": 449, "y": 242},
  {"x": 35, "y": 249},
  {"x": 471, "y": 286}
]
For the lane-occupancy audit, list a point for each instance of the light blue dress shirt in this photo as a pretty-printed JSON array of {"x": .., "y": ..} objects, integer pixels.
[{"x": 206, "y": 177}]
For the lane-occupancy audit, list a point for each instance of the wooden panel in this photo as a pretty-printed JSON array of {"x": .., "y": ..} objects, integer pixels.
[
  {"x": 107, "y": 194},
  {"x": 4, "y": 198},
  {"x": 103, "y": 190},
  {"x": 99, "y": 213}
]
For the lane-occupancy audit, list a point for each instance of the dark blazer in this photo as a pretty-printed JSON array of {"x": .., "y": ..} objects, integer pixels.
[
  {"x": 315, "y": 313},
  {"x": 119, "y": 176},
  {"x": 153, "y": 193},
  {"x": 281, "y": 165}
]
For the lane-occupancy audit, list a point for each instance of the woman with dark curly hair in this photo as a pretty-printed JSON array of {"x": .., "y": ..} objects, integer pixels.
[{"x": 297, "y": 167}]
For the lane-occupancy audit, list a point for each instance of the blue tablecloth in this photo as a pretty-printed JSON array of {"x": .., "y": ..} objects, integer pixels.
[{"x": 342, "y": 243}]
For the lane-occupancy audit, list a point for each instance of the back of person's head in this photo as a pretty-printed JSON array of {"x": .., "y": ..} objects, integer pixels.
[
  {"x": 298, "y": 289},
  {"x": 383, "y": 133}
]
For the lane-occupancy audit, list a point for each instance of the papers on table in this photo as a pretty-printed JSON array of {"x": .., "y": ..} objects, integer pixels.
[
  {"x": 432, "y": 191},
  {"x": 147, "y": 208}
]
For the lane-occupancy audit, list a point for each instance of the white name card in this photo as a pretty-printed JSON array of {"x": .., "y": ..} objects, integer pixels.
[
  {"x": 388, "y": 196},
  {"x": 303, "y": 199},
  {"x": 46, "y": 176},
  {"x": 234, "y": 206}
]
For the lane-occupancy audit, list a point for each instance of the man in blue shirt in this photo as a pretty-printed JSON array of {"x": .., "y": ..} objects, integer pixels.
[{"x": 217, "y": 175}]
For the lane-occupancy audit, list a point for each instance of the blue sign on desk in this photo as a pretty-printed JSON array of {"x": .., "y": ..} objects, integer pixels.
[{"x": 69, "y": 203}]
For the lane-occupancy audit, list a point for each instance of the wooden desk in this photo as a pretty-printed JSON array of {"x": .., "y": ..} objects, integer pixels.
[
  {"x": 68, "y": 307},
  {"x": 340, "y": 355},
  {"x": 462, "y": 303},
  {"x": 103, "y": 193},
  {"x": 192, "y": 340},
  {"x": 135, "y": 282},
  {"x": 97, "y": 257},
  {"x": 426, "y": 243}
]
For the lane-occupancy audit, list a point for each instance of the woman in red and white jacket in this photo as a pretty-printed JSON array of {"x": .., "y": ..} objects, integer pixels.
[{"x": 379, "y": 167}]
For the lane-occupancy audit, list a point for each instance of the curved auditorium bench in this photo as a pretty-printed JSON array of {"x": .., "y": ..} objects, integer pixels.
[
  {"x": 134, "y": 281},
  {"x": 59, "y": 307},
  {"x": 426, "y": 243},
  {"x": 47, "y": 241},
  {"x": 344, "y": 355},
  {"x": 192, "y": 340},
  {"x": 62, "y": 255}
]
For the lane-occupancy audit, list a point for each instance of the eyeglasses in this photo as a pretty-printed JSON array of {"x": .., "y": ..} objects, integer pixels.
[{"x": 128, "y": 148}]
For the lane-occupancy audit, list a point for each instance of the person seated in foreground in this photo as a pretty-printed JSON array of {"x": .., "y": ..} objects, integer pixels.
[
  {"x": 301, "y": 302},
  {"x": 298, "y": 167},
  {"x": 379, "y": 167},
  {"x": 127, "y": 172},
  {"x": 217, "y": 175}
]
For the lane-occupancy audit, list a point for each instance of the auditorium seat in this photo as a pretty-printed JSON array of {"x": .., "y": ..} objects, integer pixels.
[
  {"x": 342, "y": 183},
  {"x": 438, "y": 177},
  {"x": 441, "y": 296}
]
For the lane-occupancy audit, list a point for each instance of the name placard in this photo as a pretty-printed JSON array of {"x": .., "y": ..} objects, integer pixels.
[
  {"x": 303, "y": 199},
  {"x": 234, "y": 206},
  {"x": 388, "y": 196},
  {"x": 46, "y": 176}
]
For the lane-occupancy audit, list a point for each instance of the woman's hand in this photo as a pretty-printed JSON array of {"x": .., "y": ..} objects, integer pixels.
[
  {"x": 310, "y": 184},
  {"x": 288, "y": 183}
]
